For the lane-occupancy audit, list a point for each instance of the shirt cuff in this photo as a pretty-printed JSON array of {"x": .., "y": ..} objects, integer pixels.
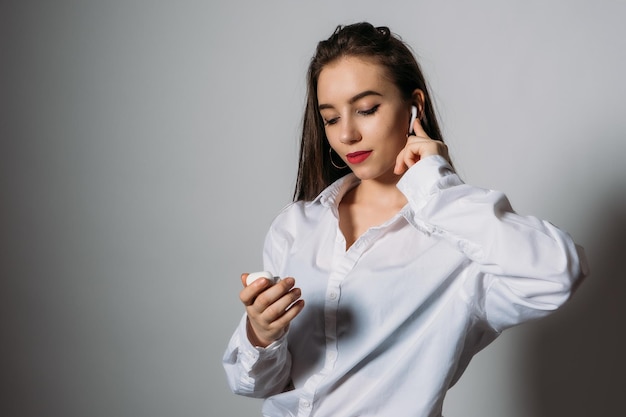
[
  {"x": 425, "y": 178},
  {"x": 253, "y": 353}
]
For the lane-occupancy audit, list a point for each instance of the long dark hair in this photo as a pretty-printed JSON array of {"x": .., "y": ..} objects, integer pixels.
[{"x": 315, "y": 169}]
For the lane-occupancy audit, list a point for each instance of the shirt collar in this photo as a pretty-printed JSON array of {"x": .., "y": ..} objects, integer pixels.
[{"x": 332, "y": 195}]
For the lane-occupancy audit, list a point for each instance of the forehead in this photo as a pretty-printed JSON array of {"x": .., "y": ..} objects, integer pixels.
[{"x": 349, "y": 76}]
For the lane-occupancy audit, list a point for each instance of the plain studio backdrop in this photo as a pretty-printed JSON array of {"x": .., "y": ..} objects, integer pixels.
[{"x": 146, "y": 147}]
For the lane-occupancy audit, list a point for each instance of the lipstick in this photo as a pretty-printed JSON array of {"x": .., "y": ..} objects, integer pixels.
[{"x": 358, "y": 157}]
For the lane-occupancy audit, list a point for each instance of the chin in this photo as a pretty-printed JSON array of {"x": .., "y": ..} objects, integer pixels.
[{"x": 365, "y": 174}]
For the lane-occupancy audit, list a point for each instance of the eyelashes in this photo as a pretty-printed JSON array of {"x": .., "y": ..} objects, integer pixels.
[
  {"x": 331, "y": 121},
  {"x": 367, "y": 112}
]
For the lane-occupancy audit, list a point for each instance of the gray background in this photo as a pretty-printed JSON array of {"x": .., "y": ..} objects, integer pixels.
[{"x": 146, "y": 146}]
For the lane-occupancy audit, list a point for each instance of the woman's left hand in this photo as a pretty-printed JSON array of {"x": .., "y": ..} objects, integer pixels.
[{"x": 418, "y": 146}]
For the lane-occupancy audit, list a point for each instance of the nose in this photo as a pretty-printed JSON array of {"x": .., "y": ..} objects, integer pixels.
[{"x": 349, "y": 132}]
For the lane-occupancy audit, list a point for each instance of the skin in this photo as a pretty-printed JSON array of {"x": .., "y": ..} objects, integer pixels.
[
  {"x": 268, "y": 308},
  {"x": 363, "y": 111}
]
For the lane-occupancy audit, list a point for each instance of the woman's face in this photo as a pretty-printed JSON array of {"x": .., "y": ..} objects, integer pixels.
[{"x": 365, "y": 118}]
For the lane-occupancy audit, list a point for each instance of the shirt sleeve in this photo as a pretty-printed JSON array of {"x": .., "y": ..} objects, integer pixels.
[
  {"x": 255, "y": 371},
  {"x": 528, "y": 266}
]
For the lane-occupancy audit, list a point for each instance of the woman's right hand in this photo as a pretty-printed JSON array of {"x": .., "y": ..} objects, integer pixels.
[{"x": 270, "y": 309}]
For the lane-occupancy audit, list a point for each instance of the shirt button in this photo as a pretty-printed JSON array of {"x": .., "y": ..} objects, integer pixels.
[
  {"x": 306, "y": 404},
  {"x": 332, "y": 295}
]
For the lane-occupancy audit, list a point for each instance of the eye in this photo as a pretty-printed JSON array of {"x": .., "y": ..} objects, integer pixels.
[
  {"x": 369, "y": 111},
  {"x": 328, "y": 122}
]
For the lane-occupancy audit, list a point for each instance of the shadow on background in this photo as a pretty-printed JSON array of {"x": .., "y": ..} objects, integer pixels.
[{"x": 577, "y": 362}]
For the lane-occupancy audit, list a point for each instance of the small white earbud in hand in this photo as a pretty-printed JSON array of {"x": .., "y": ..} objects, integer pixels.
[{"x": 262, "y": 274}]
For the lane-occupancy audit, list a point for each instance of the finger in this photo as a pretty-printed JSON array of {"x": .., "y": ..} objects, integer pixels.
[
  {"x": 400, "y": 167},
  {"x": 413, "y": 151},
  {"x": 251, "y": 292},
  {"x": 266, "y": 332},
  {"x": 410, "y": 154},
  {"x": 429, "y": 147},
  {"x": 410, "y": 158},
  {"x": 280, "y": 306},
  {"x": 270, "y": 295},
  {"x": 419, "y": 130},
  {"x": 295, "y": 309},
  {"x": 244, "y": 276}
]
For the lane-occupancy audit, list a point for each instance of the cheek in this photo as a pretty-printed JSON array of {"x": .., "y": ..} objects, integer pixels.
[
  {"x": 402, "y": 123},
  {"x": 383, "y": 127},
  {"x": 397, "y": 136},
  {"x": 332, "y": 136},
  {"x": 396, "y": 131}
]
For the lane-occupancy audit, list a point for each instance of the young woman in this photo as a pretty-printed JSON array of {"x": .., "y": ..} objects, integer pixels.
[{"x": 406, "y": 271}]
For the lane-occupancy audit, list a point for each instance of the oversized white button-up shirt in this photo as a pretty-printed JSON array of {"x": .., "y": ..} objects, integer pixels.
[{"x": 390, "y": 324}]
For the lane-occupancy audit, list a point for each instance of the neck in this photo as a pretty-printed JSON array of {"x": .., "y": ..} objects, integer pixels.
[{"x": 381, "y": 192}]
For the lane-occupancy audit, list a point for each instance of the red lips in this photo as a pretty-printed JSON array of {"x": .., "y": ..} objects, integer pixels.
[{"x": 358, "y": 157}]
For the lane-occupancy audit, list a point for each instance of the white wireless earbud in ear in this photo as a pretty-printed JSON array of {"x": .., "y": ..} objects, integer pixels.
[{"x": 412, "y": 122}]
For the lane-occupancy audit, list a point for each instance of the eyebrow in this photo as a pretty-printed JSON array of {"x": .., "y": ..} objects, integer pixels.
[{"x": 353, "y": 99}]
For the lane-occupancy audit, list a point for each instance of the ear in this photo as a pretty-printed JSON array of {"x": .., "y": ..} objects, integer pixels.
[{"x": 418, "y": 99}]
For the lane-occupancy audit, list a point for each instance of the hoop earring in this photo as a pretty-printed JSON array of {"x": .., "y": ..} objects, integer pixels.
[{"x": 330, "y": 155}]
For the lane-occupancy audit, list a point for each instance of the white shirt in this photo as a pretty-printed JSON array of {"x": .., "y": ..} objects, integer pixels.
[{"x": 390, "y": 324}]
